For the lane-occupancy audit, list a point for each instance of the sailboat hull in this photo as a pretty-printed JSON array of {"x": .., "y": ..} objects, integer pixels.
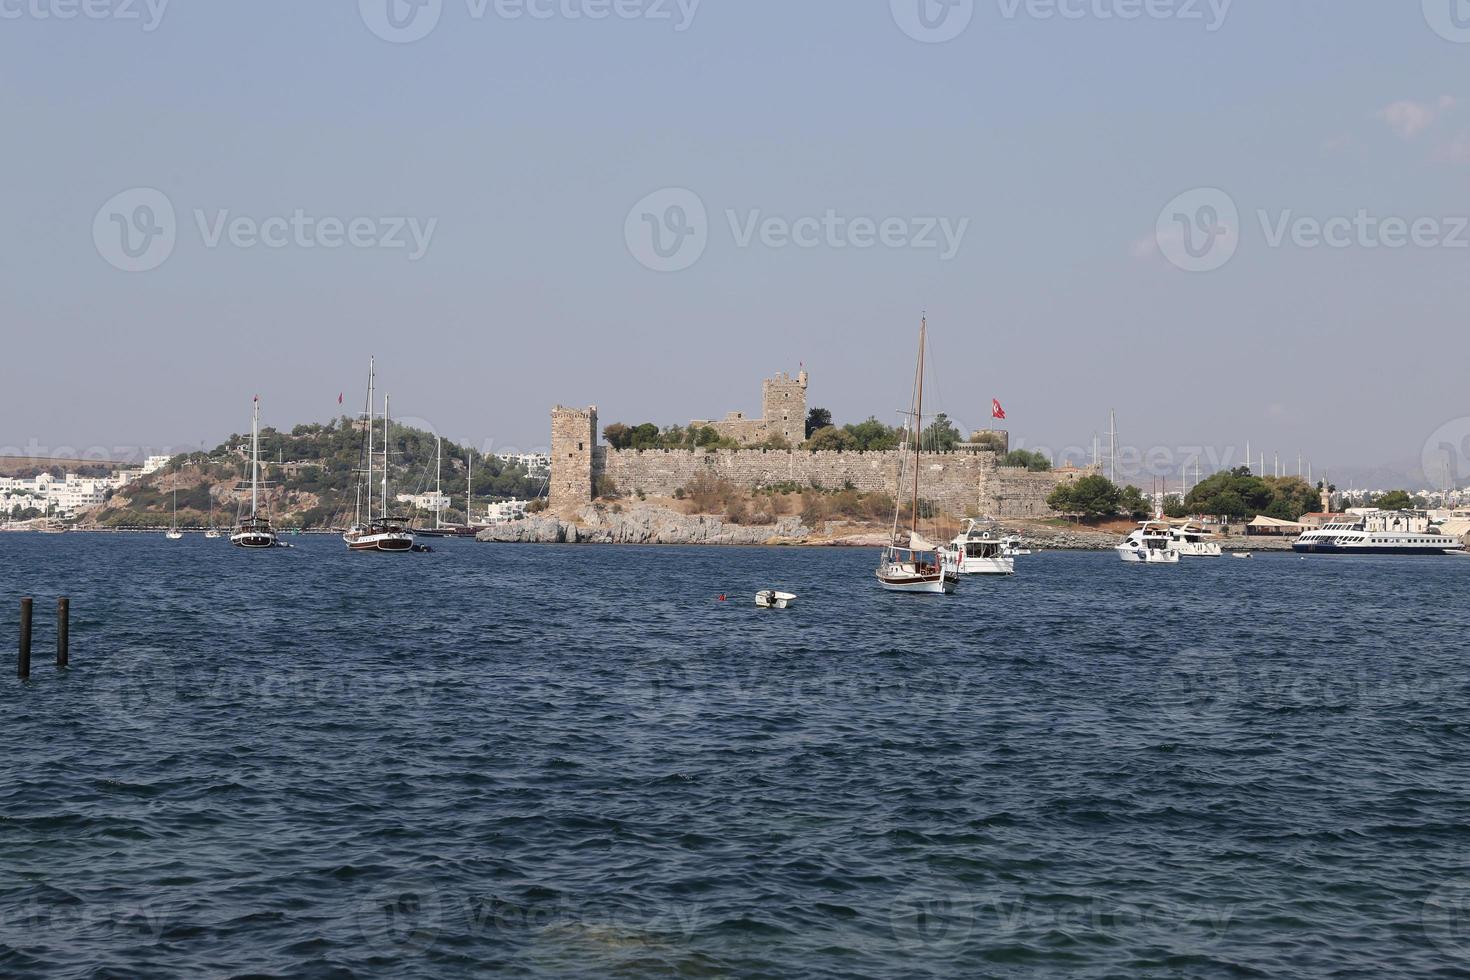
[
  {"x": 393, "y": 542},
  {"x": 253, "y": 541}
]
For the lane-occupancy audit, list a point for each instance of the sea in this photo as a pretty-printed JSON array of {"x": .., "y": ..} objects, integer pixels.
[{"x": 607, "y": 762}]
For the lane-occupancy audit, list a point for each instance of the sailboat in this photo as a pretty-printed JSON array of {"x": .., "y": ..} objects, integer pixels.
[
  {"x": 442, "y": 530},
  {"x": 50, "y": 525},
  {"x": 382, "y": 533},
  {"x": 920, "y": 566},
  {"x": 254, "y": 532},
  {"x": 174, "y": 533}
]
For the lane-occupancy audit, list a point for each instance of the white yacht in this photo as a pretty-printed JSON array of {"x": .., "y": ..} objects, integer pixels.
[
  {"x": 1380, "y": 533},
  {"x": 1193, "y": 541},
  {"x": 1014, "y": 546},
  {"x": 980, "y": 551},
  {"x": 1151, "y": 544}
]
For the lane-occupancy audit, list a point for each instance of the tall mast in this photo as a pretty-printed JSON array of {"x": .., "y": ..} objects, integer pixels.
[
  {"x": 385, "y": 457},
  {"x": 1113, "y": 446},
  {"x": 369, "y": 415},
  {"x": 469, "y": 487},
  {"x": 254, "y": 457},
  {"x": 919, "y": 423},
  {"x": 438, "y": 487}
]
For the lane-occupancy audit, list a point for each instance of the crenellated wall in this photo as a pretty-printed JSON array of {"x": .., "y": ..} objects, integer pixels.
[{"x": 960, "y": 483}]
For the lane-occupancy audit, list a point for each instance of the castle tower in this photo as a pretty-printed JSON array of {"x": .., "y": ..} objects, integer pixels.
[
  {"x": 783, "y": 407},
  {"x": 573, "y": 440}
]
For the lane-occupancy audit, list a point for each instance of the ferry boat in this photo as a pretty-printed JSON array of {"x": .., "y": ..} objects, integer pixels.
[
  {"x": 978, "y": 551},
  {"x": 1193, "y": 541},
  {"x": 1382, "y": 533},
  {"x": 1151, "y": 544}
]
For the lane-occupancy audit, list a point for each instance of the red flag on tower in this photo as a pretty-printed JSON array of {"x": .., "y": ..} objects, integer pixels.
[
  {"x": 996, "y": 412},
  {"x": 339, "y": 397}
]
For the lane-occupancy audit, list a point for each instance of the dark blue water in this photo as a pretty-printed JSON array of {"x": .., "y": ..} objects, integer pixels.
[{"x": 576, "y": 762}]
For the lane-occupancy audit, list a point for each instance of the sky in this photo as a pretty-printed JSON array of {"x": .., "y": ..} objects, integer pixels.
[{"x": 1225, "y": 221}]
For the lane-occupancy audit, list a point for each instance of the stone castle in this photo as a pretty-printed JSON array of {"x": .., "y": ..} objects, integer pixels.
[
  {"x": 783, "y": 415},
  {"x": 967, "y": 482}
]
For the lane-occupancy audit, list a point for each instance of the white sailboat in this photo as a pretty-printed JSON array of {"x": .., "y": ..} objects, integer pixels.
[
  {"x": 254, "y": 532},
  {"x": 173, "y": 533},
  {"x": 382, "y": 533},
  {"x": 920, "y": 566}
]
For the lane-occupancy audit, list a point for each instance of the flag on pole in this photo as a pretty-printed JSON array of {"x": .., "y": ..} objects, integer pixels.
[
  {"x": 339, "y": 397},
  {"x": 996, "y": 412}
]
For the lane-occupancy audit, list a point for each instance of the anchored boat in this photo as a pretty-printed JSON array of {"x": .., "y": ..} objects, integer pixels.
[
  {"x": 981, "y": 551},
  {"x": 919, "y": 566},
  {"x": 1151, "y": 544},
  {"x": 254, "y": 532},
  {"x": 381, "y": 533}
]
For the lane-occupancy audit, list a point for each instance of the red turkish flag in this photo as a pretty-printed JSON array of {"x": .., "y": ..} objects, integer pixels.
[{"x": 996, "y": 412}]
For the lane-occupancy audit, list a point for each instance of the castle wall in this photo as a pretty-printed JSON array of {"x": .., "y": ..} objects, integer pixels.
[{"x": 959, "y": 483}]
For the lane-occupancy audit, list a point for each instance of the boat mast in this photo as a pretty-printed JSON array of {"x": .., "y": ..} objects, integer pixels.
[
  {"x": 254, "y": 459},
  {"x": 438, "y": 488},
  {"x": 918, "y": 425},
  {"x": 469, "y": 487},
  {"x": 385, "y": 457},
  {"x": 369, "y": 415}
]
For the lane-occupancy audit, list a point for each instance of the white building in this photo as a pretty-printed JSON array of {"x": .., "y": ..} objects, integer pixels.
[
  {"x": 535, "y": 464},
  {"x": 432, "y": 502},
  {"x": 155, "y": 463},
  {"x": 505, "y": 512}
]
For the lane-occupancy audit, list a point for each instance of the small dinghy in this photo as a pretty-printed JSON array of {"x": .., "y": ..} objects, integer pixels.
[
  {"x": 1241, "y": 554},
  {"x": 771, "y": 599}
]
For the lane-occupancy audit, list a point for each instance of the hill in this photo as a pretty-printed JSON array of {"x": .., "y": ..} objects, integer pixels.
[{"x": 311, "y": 475}]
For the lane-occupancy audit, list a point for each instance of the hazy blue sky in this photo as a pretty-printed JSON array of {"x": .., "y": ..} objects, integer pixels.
[{"x": 518, "y": 148}]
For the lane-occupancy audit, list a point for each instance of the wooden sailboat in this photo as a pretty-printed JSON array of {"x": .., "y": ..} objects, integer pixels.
[
  {"x": 254, "y": 532},
  {"x": 919, "y": 566},
  {"x": 381, "y": 533}
]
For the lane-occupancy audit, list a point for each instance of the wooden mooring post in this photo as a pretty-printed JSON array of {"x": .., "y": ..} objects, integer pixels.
[
  {"x": 63, "y": 632},
  {"x": 23, "y": 663}
]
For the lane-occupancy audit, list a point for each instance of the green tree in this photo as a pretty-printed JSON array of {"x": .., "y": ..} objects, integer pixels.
[
  {"x": 1090, "y": 497},
  {"x": 618, "y": 435},
  {"x": 1132, "y": 503},
  {"x": 831, "y": 438},
  {"x": 1035, "y": 462},
  {"x": 941, "y": 436},
  {"x": 1394, "y": 500},
  {"x": 1174, "y": 507},
  {"x": 647, "y": 436},
  {"x": 873, "y": 436},
  {"x": 817, "y": 418}
]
